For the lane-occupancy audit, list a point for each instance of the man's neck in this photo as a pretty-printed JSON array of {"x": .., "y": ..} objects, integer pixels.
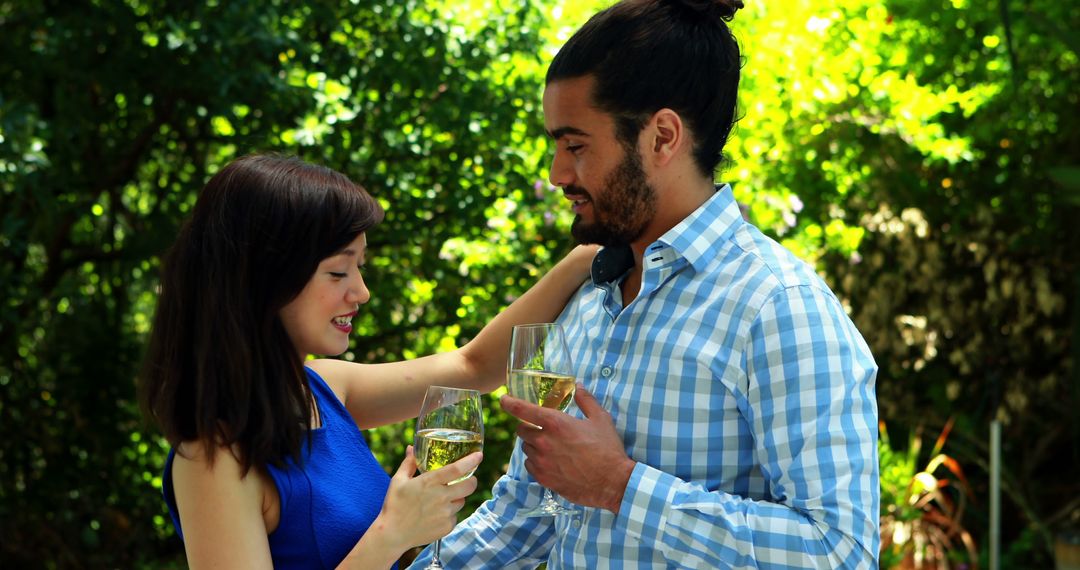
[{"x": 676, "y": 201}]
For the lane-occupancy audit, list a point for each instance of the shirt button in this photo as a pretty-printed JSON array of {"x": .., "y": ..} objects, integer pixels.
[
  {"x": 605, "y": 371},
  {"x": 577, "y": 523}
]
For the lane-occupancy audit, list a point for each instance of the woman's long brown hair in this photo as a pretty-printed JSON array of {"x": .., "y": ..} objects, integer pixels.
[{"x": 220, "y": 367}]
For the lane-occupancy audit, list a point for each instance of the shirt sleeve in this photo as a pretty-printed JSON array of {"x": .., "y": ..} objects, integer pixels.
[
  {"x": 494, "y": 536},
  {"x": 810, "y": 401}
]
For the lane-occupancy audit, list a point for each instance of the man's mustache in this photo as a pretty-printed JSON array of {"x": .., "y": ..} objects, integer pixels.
[{"x": 576, "y": 191}]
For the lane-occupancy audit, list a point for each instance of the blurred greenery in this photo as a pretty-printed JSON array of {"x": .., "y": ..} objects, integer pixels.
[
  {"x": 922, "y": 507},
  {"x": 923, "y": 153}
]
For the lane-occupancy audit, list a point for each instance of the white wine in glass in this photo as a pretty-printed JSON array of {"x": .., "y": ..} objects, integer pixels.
[
  {"x": 449, "y": 427},
  {"x": 541, "y": 372},
  {"x": 436, "y": 447},
  {"x": 542, "y": 388}
]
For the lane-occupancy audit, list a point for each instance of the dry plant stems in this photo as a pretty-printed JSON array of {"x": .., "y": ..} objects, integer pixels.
[{"x": 921, "y": 513}]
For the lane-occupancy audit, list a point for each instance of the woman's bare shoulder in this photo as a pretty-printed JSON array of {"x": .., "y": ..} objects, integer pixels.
[{"x": 202, "y": 460}]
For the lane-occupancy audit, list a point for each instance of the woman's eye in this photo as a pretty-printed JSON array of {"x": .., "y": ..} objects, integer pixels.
[{"x": 336, "y": 275}]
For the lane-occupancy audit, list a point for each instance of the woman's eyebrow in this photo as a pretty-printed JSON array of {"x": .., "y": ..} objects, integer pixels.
[{"x": 350, "y": 252}]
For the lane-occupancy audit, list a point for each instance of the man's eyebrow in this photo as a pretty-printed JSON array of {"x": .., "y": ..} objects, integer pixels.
[{"x": 563, "y": 131}]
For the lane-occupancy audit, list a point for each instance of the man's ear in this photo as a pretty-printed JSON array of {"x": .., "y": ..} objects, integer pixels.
[{"x": 668, "y": 134}]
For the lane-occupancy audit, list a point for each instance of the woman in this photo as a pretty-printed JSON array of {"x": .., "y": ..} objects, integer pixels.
[{"x": 268, "y": 466}]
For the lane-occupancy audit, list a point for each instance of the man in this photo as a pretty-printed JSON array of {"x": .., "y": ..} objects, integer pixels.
[{"x": 726, "y": 413}]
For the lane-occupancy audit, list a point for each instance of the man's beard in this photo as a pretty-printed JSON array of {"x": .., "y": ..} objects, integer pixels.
[{"x": 622, "y": 210}]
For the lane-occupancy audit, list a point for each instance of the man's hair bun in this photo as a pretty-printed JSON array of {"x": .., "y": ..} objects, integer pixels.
[{"x": 723, "y": 9}]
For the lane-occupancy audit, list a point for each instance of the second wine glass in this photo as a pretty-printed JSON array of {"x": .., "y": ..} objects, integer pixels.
[
  {"x": 449, "y": 427},
  {"x": 541, "y": 372}
]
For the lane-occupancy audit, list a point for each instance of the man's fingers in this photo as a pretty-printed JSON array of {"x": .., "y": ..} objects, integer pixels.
[
  {"x": 527, "y": 432},
  {"x": 527, "y": 412},
  {"x": 586, "y": 402},
  {"x": 530, "y": 467}
]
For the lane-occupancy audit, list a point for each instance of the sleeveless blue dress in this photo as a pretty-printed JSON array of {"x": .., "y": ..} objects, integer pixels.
[{"x": 329, "y": 503}]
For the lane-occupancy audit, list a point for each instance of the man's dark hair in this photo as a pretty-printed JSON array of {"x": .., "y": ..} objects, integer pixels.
[
  {"x": 220, "y": 366},
  {"x": 646, "y": 55}
]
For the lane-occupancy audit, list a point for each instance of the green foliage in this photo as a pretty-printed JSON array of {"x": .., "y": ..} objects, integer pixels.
[
  {"x": 112, "y": 116},
  {"x": 921, "y": 514},
  {"x": 922, "y": 152}
]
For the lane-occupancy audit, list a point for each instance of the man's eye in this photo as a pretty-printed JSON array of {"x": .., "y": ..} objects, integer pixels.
[{"x": 574, "y": 147}]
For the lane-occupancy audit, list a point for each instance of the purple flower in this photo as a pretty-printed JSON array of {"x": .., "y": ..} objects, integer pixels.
[{"x": 549, "y": 218}]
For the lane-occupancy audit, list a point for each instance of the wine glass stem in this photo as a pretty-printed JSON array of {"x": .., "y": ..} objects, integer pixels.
[{"x": 435, "y": 562}]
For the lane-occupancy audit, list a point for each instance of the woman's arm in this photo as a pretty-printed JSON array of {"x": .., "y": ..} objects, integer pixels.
[
  {"x": 226, "y": 521},
  {"x": 380, "y": 394},
  {"x": 221, "y": 510}
]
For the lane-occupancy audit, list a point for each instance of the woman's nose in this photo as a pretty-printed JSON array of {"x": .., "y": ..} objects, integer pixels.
[{"x": 358, "y": 292}]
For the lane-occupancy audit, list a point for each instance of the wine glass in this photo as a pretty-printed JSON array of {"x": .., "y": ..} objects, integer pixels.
[
  {"x": 449, "y": 427},
  {"x": 541, "y": 372}
]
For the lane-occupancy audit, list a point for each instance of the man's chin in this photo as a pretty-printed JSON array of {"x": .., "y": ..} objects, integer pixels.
[
  {"x": 585, "y": 234},
  {"x": 590, "y": 234}
]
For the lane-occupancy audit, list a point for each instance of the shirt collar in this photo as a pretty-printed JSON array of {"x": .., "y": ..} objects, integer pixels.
[{"x": 696, "y": 238}]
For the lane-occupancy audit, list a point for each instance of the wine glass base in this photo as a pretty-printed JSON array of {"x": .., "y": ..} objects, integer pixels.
[{"x": 547, "y": 509}]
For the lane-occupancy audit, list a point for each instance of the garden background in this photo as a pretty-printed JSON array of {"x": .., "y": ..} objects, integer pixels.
[{"x": 924, "y": 154}]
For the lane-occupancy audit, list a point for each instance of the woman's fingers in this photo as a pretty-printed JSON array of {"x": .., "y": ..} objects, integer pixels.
[
  {"x": 425, "y": 505},
  {"x": 408, "y": 465},
  {"x": 457, "y": 469},
  {"x": 463, "y": 489}
]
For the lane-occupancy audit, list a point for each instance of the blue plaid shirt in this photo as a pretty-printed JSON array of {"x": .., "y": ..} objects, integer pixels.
[{"x": 745, "y": 395}]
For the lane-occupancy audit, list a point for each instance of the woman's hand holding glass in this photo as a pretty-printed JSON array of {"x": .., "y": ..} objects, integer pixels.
[
  {"x": 420, "y": 509},
  {"x": 450, "y": 427}
]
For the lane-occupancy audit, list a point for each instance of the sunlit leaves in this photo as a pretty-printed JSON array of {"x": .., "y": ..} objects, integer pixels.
[
  {"x": 818, "y": 73},
  {"x": 920, "y": 153}
]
